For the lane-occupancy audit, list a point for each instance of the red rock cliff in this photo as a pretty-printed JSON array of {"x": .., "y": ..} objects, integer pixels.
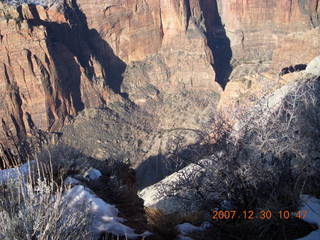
[
  {"x": 47, "y": 71},
  {"x": 54, "y": 64},
  {"x": 286, "y": 31}
]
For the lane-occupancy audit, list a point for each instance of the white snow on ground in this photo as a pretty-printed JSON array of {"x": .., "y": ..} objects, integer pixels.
[
  {"x": 182, "y": 237},
  {"x": 93, "y": 174},
  {"x": 14, "y": 174},
  {"x": 311, "y": 206},
  {"x": 71, "y": 181},
  {"x": 315, "y": 235},
  {"x": 187, "y": 228},
  {"x": 104, "y": 216}
]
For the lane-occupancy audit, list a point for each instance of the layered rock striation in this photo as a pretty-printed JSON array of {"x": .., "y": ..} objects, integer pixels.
[
  {"x": 56, "y": 61},
  {"x": 49, "y": 70},
  {"x": 272, "y": 30}
]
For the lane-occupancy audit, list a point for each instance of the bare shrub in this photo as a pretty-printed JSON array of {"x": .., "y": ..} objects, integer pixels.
[
  {"x": 265, "y": 165},
  {"x": 37, "y": 210},
  {"x": 18, "y": 149},
  {"x": 60, "y": 160}
]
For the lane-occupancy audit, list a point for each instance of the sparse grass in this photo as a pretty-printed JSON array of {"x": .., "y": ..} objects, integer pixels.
[{"x": 35, "y": 209}]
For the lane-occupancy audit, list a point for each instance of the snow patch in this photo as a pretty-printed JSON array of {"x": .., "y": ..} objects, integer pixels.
[
  {"x": 182, "y": 237},
  {"x": 315, "y": 235},
  {"x": 71, "y": 181},
  {"x": 104, "y": 216},
  {"x": 187, "y": 228},
  {"x": 311, "y": 206},
  {"x": 15, "y": 174},
  {"x": 93, "y": 174}
]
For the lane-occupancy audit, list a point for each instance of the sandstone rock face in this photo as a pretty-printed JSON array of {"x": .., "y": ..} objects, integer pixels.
[
  {"x": 266, "y": 37},
  {"x": 169, "y": 29},
  {"x": 296, "y": 48},
  {"x": 162, "y": 54},
  {"x": 132, "y": 28},
  {"x": 69, "y": 56},
  {"x": 48, "y": 72},
  {"x": 257, "y": 28},
  {"x": 138, "y": 28}
]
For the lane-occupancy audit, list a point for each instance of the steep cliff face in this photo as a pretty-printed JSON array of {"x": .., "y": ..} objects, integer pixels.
[
  {"x": 54, "y": 63},
  {"x": 48, "y": 72},
  {"x": 266, "y": 37},
  {"x": 281, "y": 31},
  {"x": 214, "y": 33},
  {"x": 138, "y": 29},
  {"x": 67, "y": 59}
]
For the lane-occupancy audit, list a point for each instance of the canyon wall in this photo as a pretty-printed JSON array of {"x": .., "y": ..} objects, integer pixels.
[
  {"x": 265, "y": 38},
  {"x": 56, "y": 61},
  {"x": 169, "y": 29},
  {"x": 47, "y": 71},
  {"x": 285, "y": 31}
]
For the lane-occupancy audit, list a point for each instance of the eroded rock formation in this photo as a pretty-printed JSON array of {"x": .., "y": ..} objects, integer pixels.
[
  {"x": 48, "y": 71},
  {"x": 160, "y": 54},
  {"x": 266, "y": 37},
  {"x": 257, "y": 28}
]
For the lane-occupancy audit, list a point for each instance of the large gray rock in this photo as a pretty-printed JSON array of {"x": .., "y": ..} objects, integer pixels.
[
  {"x": 179, "y": 192},
  {"x": 314, "y": 67},
  {"x": 153, "y": 195}
]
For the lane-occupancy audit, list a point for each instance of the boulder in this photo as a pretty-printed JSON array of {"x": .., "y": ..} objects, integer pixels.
[{"x": 314, "y": 67}]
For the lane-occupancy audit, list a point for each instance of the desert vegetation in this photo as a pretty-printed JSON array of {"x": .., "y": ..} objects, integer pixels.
[
  {"x": 151, "y": 118},
  {"x": 266, "y": 163},
  {"x": 32, "y": 206},
  {"x": 36, "y": 198}
]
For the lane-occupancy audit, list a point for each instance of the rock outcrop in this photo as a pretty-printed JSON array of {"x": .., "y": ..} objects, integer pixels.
[
  {"x": 160, "y": 54},
  {"x": 313, "y": 67},
  {"x": 49, "y": 71},
  {"x": 166, "y": 33},
  {"x": 265, "y": 38},
  {"x": 277, "y": 30},
  {"x": 155, "y": 196}
]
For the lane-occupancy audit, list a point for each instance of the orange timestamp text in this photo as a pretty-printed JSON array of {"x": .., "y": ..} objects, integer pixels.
[{"x": 251, "y": 214}]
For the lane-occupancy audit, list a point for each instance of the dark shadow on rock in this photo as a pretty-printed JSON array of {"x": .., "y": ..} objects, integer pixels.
[
  {"x": 75, "y": 38},
  {"x": 68, "y": 73},
  {"x": 113, "y": 67},
  {"x": 291, "y": 69},
  {"x": 156, "y": 168},
  {"x": 151, "y": 171},
  {"x": 218, "y": 41}
]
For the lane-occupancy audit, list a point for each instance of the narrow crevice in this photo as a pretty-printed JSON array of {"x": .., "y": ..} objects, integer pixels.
[
  {"x": 188, "y": 12},
  {"x": 218, "y": 41}
]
